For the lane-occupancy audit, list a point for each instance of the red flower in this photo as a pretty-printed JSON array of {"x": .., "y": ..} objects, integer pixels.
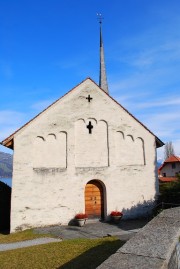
[
  {"x": 81, "y": 216},
  {"x": 116, "y": 213}
]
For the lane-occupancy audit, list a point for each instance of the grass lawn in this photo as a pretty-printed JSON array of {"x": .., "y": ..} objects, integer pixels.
[
  {"x": 69, "y": 254},
  {"x": 21, "y": 236}
]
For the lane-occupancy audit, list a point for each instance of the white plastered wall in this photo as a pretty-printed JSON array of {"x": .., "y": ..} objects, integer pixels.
[
  {"x": 169, "y": 171},
  {"x": 53, "y": 194}
]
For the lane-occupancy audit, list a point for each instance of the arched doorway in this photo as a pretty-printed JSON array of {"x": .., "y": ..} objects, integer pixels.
[{"x": 94, "y": 199}]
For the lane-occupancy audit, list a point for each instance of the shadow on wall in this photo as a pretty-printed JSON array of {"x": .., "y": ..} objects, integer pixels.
[
  {"x": 143, "y": 210},
  {"x": 5, "y": 206},
  {"x": 146, "y": 208},
  {"x": 139, "y": 210}
]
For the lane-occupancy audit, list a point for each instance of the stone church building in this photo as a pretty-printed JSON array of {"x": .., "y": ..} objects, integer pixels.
[{"x": 84, "y": 153}]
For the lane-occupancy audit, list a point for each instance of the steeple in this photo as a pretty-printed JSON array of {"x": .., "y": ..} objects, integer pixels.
[{"x": 102, "y": 73}]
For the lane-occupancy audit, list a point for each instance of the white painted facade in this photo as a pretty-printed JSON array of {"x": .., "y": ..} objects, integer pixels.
[
  {"x": 55, "y": 156},
  {"x": 170, "y": 170}
]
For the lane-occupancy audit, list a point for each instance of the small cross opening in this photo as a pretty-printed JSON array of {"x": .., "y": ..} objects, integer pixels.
[
  {"x": 90, "y": 127},
  {"x": 89, "y": 98}
]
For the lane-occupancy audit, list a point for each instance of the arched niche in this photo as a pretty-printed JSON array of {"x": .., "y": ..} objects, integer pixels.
[
  {"x": 129, "y": 138},
  {"x": 129, "y": 150},
  {"x": 52, "y": 151},
  {"x": 91, "y": 146},
  {"x": 38, "y": 151},
  {"x": 140, "y": 156},
  {"x": 62, "y": 149},
  {"x": 120, "y": 147},
  {"x": 50, "y": 158}
]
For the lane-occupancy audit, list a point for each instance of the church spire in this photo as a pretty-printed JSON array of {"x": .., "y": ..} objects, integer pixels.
[{"x": 102, "y": 73}]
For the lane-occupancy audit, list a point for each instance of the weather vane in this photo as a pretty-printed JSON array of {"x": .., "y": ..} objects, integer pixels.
[{"x": 99, "y": 17}]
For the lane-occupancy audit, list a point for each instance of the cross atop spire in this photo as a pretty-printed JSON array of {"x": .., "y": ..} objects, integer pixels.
[{"x": 102, "y": 73}]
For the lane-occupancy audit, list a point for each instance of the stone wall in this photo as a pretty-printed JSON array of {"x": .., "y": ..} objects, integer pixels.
[{"x": 155, "y": 246}]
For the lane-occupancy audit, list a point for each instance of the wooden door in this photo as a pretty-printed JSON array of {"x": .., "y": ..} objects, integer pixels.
[{"x": 94, "y": 202}]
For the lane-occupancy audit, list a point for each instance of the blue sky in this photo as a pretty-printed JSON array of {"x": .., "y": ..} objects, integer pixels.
[{"x": 48, "y": 47}]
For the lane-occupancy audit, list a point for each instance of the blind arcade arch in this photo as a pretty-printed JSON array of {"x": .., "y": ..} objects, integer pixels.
[
  {"x": 91, "y": 148},
  {"x": 129, "y": 150},
  {"x": 50, "y": 151}
]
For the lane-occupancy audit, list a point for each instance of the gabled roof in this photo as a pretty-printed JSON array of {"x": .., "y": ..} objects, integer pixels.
[
  {"x": 171, "y": 159},
  {"x": 8, "y": 142}
]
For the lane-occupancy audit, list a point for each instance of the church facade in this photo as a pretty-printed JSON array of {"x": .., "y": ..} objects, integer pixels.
[{"x": 83, "y": 154}]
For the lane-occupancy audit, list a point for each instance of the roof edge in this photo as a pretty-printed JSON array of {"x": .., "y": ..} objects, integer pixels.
[
  {"x": 9, "y": 139},
  {"x": 8, "y": 142},
  {"x": 159, "y": 142}
]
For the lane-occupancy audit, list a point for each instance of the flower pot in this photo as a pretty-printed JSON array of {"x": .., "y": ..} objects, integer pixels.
[
  {"x": 81, "y": 222},
  {"x": 116, "y": 219}
]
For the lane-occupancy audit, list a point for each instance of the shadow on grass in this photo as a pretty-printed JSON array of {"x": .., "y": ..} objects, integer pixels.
[{"x": 94, "y": 256}]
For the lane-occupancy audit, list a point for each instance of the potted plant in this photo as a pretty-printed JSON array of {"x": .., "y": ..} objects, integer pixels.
[
  {"x": 81, "y": 218},
  {"x": 116, "y": 216}
]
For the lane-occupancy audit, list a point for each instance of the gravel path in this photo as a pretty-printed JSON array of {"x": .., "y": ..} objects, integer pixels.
[
  {"x": 124, "y": 230},
  {"x": 28, "y": 243}
]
